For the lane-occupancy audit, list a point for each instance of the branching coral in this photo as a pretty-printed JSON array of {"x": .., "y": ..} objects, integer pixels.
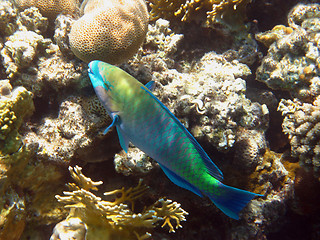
[
  {"x": 113, "y": 219},
  {"x": 209, "y": 11}
]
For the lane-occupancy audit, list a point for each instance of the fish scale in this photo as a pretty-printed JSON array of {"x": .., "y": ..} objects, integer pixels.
[{"x": 140, "y": 118}]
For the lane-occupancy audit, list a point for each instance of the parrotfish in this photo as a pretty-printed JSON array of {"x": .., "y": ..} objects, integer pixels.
[{"x": 140, "y": 118}]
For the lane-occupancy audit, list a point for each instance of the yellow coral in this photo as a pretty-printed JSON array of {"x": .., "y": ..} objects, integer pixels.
[
  {"x": 110, "y": 30},
  {"x": 12, "y": 111},
  {"x": 213, "y": 11},
  {"x": 269, "y": 37},
  {"x": 51, "y": 8},
  {"x": 103, "y": 219}
]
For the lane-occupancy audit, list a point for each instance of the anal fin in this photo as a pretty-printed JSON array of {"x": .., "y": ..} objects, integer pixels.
[{"x": 176, "y": 179}]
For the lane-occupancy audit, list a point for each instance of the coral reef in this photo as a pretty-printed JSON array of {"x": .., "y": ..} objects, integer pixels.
[
  {"x": 8, "y": 17},
  {"x": 51, "y": 9},
  {"x": 292, "y": 62},
  {"x": 21, "y": 50},
  {"x": 58, "y": 139},
  {"x": 264, "y": 215},
  {"x": 91, "y": 217},
  {"x": 133, "y": 162},
  {"x": 250, "y": 147},
  {"x": 27, "y": 20},
  {"x": 14, "y": 107},
  {"x": 208, "y": 11},
  {"x": 62, "y": 29},
  {"x": 31, "y": 20},
  {"x": 302, "y": 125},
  {"x": 109, "y": 30},
  {"x": 213, "y": 93},
  {"x": 36, "y": 63}
]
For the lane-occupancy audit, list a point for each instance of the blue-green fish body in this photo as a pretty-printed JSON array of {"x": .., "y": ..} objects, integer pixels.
[{"x": 140, "y": 118}]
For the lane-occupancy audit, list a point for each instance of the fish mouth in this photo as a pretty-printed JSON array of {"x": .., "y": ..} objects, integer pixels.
[{"x": 90, "y": 67}]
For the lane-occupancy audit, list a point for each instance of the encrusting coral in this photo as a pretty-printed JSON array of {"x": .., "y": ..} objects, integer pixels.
[
  {"x": 110, "y": 30},
  {"x": 293, "y": 60},
  {"x": 264, "y": 215},
  {"x": 210, "y": 12},
  {"x": 91, "y": 217},
  {"x": 15, "y": 105}
]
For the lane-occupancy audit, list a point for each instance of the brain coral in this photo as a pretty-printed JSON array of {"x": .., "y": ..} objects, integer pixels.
[
  {"x": 51, "y": 8},
  {"x": 109, "y": 30}
]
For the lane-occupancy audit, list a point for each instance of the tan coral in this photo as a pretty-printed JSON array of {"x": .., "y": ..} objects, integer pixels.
[
  {"x": 109, "y": 30},
  {"x": 91, "y": 217},
  {"x": 51, "y": 8},
  {"x": 209, "y": 12}
]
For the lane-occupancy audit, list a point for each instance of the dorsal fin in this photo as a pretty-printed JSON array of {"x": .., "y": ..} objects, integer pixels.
[{"x": 211, "y": 167}]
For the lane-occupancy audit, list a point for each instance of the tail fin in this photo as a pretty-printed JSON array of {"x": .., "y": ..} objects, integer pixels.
[{"x": 231, "y": 200}]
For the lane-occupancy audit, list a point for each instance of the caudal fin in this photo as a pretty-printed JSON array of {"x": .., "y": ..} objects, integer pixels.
[{"x": 231, "y": 200}]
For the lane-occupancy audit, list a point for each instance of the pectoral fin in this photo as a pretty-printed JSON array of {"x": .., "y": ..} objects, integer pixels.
[{"x": 115, "y": 121}]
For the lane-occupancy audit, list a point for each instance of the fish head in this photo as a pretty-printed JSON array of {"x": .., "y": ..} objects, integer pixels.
[{"x": 107, "y": 81}]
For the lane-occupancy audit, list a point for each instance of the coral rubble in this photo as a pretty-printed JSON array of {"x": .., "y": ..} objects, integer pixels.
[{"x": 91, "y": 217}]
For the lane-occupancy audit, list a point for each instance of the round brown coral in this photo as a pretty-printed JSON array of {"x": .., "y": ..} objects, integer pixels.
[
  {"x": 110, "y": 31},
  {"x": 51, "y": 8}
]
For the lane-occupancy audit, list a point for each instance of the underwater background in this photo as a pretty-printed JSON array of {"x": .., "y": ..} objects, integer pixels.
[{"x": 243, "y": 76}]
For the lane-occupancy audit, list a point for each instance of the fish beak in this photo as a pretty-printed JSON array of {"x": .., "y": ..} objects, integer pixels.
[{"x": 90, "y": 69}]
